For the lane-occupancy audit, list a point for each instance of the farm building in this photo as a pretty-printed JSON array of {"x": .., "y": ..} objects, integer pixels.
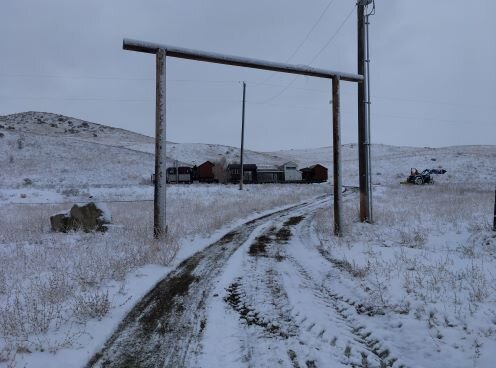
[
  {"x": 291, "y": 173},
  {"x": 270, "y": 174},
  {"x": 184, "y": 174},
  {"x": 205, "y": 173},
  {"x": 249, "y": 173},
  {"x": 314, "y": 174}
]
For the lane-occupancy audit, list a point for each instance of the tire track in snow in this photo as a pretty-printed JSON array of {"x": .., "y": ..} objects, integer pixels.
[
  {"x": 372, "y": 351},
  {"x": 275, "y": 332},
  {"x": 275, "y": 328},
  {"x": 257, "y": 304},
  {"x": 165, "y": 328}
]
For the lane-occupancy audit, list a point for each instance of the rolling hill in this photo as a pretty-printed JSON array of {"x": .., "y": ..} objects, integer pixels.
[{"x": 53, "y": 152}]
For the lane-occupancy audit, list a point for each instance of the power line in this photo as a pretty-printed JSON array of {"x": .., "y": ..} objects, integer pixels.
[
  {"x": 58, "y": 76},
  {"x": 284, "y": 89},
  {"x": 76, "y": 98},
  {"x": 426, "y": 101},
  {"x": 226, "y": 82},
  {"x": 55, "y": 76},
  {"x": 327, "y": 43},
  {"x": 235, "y": 101},
  {"x": 193, "y": 100},
  {"x": 412, "y": 117},
  {"x": 387, "y": 98},
  {"x": 324, "y": 11},
  {"x": 383, "y": 98},
  {"x": 107, "y": 99}
]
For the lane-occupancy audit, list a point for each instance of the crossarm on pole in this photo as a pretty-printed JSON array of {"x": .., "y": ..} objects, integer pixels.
[{"x": 184, "y": 53}]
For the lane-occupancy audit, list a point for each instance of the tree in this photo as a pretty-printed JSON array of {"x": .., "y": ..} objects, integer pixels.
[{"x": 220, "y": 170}]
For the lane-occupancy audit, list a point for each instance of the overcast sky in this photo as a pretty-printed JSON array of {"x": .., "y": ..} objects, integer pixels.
[{"x": 433, "y": 73}]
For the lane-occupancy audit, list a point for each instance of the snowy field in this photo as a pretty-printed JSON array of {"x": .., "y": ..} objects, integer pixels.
[
  {"x": 271, "y": 285},
  {"x": 54, "y": 287},
  {"x": 424, "y": 272}
]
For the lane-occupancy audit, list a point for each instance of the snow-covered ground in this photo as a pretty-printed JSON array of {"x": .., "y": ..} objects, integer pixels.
[
  {"x": 415, "y": 288},
  {"x": 61, "y": 295},
  {"x": 424, "y": 272}
]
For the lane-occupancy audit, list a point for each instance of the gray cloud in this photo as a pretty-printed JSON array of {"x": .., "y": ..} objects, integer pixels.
[{"x": 432, "y": 68}]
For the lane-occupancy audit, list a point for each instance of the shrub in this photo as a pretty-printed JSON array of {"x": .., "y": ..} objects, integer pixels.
[{"x": 95, "y": 304}]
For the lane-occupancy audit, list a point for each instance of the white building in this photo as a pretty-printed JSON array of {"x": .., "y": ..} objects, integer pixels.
[{"x": 291, "y": 172}]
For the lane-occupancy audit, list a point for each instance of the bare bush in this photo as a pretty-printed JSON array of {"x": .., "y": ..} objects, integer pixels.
[
  {"x": 477, "y": 282},
  {"x": 25, "y": 314},
  {"x": 8, "y": 356},
  {"x": 95, "y": 304},
  {"x": 413, "y": 238}
]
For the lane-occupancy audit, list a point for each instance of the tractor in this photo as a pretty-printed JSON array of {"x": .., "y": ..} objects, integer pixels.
[{"x": 424, "y": 177}]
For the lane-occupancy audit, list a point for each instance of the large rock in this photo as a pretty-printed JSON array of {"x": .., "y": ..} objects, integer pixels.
[
  {"x": 89, "y": 217},
  {"x": 60, "y": 222}
]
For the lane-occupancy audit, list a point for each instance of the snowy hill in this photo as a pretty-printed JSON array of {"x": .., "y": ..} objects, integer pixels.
[
  {"x": 390, "y": 164},
  {"x": 54, "y": 125},
  {"x": 56, "y": 152},
  {"x": 46, "y": 147}
]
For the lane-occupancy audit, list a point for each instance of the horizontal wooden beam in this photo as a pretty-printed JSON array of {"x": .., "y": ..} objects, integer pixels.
[{"x": 210, "y": 57}]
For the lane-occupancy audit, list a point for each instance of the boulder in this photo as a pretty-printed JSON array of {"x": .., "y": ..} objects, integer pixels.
[
  {"x": 60, "y": 222},
  {"x": 89, "y": 217}
]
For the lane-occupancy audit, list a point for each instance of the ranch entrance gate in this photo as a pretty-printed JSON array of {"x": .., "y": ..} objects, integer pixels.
[{"x": 163, "y": 51}]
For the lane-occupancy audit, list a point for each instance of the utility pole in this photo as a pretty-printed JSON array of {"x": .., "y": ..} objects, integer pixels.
[
  {"x": 364, "y": 166},
  {"x": 336, "y": 145},
  {"x": 242, "y": 138},
  {"x": 159, "y": 200}
]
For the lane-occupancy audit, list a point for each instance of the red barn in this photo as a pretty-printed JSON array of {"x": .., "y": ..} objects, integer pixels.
[
  {"x": 314, "y": 174},
  {"x": 205, "y": 172}
]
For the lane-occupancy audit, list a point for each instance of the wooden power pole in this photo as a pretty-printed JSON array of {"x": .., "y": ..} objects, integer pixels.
[
  {"x": 159, "y": 217},
  {"x": 363, "y": 123},
  {"x": 336, "y": 144},
  {"x": 241, "y": 170}
]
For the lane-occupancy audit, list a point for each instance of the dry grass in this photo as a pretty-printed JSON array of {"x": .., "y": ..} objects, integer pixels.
[
  {"x": 430, "y": 247},
  {"x": 50, "y": 281}
]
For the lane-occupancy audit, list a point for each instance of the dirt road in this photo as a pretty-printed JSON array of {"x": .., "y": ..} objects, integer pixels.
[{"x": 262, "y": 296}]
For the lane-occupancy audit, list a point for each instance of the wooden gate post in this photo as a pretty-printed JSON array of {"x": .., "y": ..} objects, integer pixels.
[
  {"x": 159, "y": 209},
  {"x": 336, "y": 148}
]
